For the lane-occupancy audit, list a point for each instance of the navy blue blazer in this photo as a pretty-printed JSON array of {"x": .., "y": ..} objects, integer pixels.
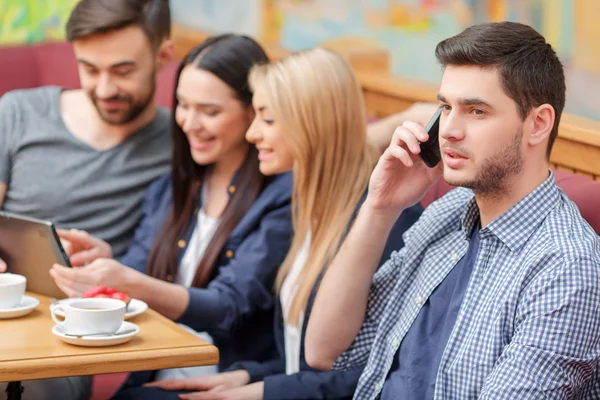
[
  {"x": 236, "y": 308},
  {"x": 310, "y": 383}
]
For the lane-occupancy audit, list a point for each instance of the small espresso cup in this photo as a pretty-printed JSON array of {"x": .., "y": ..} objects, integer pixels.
[
  {"x": 12, "y": 289},
  {"x": 90, "y": 316}
]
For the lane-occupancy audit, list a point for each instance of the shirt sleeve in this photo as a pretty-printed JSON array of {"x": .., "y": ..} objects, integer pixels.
[
  {"x": 244, "y": 285},
  {"x": 259, "y": 370},
  {"x": 8, "y": 125},
  {"x": 384, "y": 281},
  {"x": 137, "y": 254},
  {"x": 554, "y": 351},
  {"x": 311, "y": 385}
]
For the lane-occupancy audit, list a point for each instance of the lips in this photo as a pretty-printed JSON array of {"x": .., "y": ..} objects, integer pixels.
[
  {"x": 264, "y": 154},
  {"x": 203, "y": 144},
  {"x": 111, "y": 105},
  {"x": 454, "y": 154},
  {"x": 454, "y": 159}
]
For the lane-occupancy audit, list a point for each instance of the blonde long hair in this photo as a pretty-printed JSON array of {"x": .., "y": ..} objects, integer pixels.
[{"x": 318, "y": 100}]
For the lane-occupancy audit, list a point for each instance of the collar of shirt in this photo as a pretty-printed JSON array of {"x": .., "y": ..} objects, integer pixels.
[{"x": 517, "y": 224}]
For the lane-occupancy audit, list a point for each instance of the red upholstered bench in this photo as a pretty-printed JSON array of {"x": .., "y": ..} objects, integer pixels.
[
  {"x": 24, "y": 67},
  {"x": 583, "y": 191},
  {"x": 104, "y": 386}
]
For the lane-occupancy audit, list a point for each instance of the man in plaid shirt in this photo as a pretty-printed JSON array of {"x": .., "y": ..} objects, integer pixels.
[{"x": 496, "y": 294}]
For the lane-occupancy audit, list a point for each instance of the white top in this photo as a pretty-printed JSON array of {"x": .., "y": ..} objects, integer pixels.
[
  {"x": 201, "y": 237},
  {"x": 293, "y": 333}
]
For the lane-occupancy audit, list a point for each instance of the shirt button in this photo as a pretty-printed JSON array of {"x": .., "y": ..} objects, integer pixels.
[
  {"x": 418, "y": 300},
  {"x": 229, "y": 254},
  {"x": 169, "y": 278},
  {"x": 454, "y": 256},
  {"x": 231, "y": 189},
  {"x": 378, "y": 387},
  {"x": 395, "y": 343},
  {"x": 181, "y": 244}
]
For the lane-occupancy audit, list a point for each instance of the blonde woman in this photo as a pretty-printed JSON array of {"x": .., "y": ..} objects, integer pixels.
[{"x": 310, "y": 119}]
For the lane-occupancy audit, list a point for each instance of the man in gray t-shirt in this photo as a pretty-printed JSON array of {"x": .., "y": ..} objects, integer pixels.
[
  {"x": 84, "y": 158},
  {"x": 52, "y": 175}
]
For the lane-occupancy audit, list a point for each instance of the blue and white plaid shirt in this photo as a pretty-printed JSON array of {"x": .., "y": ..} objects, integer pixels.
[{"x": 529, "y": 324}]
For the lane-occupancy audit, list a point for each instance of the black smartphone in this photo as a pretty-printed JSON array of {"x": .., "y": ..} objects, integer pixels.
[{"x": 430, "y": 150}]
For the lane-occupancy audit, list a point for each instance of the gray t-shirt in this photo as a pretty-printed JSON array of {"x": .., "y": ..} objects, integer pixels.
[{"x": 54, "y": 176}]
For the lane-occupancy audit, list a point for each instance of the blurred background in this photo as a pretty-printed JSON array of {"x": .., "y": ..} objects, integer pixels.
[{"x": 400, "y": 34}]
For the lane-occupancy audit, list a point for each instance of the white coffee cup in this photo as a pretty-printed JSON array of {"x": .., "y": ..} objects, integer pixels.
[
  {"x": 12, "y": 289},
  {"x": 90, "y": 316}
]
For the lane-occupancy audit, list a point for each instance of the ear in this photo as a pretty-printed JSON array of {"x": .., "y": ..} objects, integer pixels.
[
  {"x": 165, "y": 54},
  {"x": 542, "y": 118}
]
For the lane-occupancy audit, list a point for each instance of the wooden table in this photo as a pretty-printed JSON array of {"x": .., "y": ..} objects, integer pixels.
[{"x": 29, "y": 350}]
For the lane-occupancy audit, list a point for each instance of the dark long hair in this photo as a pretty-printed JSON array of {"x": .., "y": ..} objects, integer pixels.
[{"x": 230, "y": 58}]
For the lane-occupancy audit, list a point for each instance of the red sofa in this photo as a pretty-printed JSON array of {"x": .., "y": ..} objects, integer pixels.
[
  {"x": 583, "y": 191},
  {"x": 54, "y": 64}
]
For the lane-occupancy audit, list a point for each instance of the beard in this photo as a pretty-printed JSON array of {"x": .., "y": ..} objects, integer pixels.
[
  {"x": 492, "y": 178},
  {"x": 132, "y": 109}
]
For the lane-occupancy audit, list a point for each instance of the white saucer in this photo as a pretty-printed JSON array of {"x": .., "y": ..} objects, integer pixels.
[
  {"x": 27, "y": 305},
  {"x": 134, "y": 308},
  {"x": 99, "y": 340}
]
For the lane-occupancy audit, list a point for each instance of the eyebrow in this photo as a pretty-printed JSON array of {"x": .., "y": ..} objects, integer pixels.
[
  {"x": 117, "y": 65},
  {"x": 467, "y": 101},
  {"x": 205, "y": 104}
]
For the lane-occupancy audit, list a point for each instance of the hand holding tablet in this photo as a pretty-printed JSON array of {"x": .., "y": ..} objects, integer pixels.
[{"x": 30, "y": 247}]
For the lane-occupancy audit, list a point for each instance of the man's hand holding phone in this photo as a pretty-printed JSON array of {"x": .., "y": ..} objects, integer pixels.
[{"x": 401, "y": 177}]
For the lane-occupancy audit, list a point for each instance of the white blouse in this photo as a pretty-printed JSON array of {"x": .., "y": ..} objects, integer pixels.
[
  {"x": 201, "y": 237},
  {"x": 293, "y": 333}
]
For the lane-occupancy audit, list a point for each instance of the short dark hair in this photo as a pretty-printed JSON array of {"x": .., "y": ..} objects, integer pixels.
[
  {"x": 530, "y": 72},
  {"x": 100, "y": 16}
]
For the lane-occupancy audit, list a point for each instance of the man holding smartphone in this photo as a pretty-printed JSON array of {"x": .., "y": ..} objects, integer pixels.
[{"x": 495, "y": 294}]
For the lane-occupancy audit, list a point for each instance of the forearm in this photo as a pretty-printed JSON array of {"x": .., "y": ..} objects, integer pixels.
[
  {"x": 341, "y": 302},
  {"x": 168, "y": 299},
  {"x": 257, "y": 371},
  {"x": 311, "y": 385},
  {"x": 3, "y": 189}
]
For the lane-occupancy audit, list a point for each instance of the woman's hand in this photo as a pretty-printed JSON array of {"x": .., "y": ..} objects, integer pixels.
[
  {"x": 82, "y": 248},
  {"x": 253, "y": 391},
  {"x": 217, "y": 382},
  {"x": 107, "y": 272}
]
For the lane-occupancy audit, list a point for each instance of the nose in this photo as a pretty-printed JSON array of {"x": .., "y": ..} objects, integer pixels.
[
  {"x": 452, "y": 126},
  {"x": 191, "y": 122},
  {"x": 105, "y": 88},
  {"x": 253, "y": 134}
]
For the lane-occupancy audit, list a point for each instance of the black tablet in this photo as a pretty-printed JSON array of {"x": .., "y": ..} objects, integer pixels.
[{"x": 30, "y": 247}]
